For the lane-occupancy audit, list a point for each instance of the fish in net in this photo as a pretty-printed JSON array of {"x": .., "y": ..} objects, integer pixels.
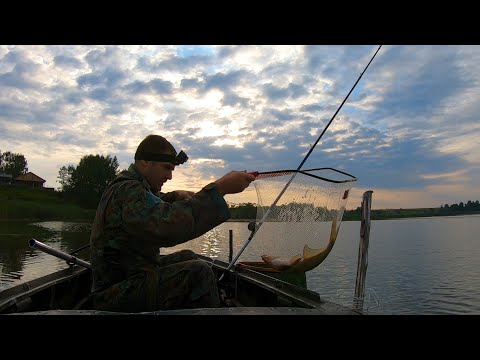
[{"x": 296, "y": 231}]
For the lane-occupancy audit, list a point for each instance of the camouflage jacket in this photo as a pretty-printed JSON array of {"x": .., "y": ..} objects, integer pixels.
[{"x": 131, "y": 224}]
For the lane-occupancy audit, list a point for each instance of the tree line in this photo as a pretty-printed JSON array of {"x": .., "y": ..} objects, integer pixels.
[
  {"x": 468, "y": 206},
  {"x": 85, "y": 183}
]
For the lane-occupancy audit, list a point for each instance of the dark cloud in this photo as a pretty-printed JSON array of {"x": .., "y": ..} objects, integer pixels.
[
  {"x": 231, "y": 99},
  {"x": 291, "y": 91},
  {"x": 15, "y": 81},
  {"x": 119, "y": 146},
  {"x": 18, "y": 77},
  {"x": 343, "y": 64},
  {"x": 25, "y": 113},
  {"x": 118, "y": 103},
  {"x": 161, "y": 87},
  {"x": 175, "y": 121},
  {"x": 175, "y": 63},
  {"x": 190, "y": 84},
  {"x": 154, "y": 86},
  {"x": 191, "y": 131},
  {"x": 116, "y": 132},
  {"x": 137, "y": 87},
  {"x": 67, "y": 61},
  {"x": 72, "y": 138},
  {"x": 297, "y": 91},
  {"x": 66, "y": 95},
  {"x": 114, "y": 110},
  {"x": 73, "y": 97},
  {"x": 284, "y": 115},
  {"x": 108, "y": 78},
  {"x": 99, "y": 94},
  {"x": 102, "y": 58},
  {"x": 223, "y": 81},
  {"x": 92, "y": 79},
  {"x": 275, "y": 93},
  {"x": 439, "y": 76},
  {"x": 93, "y": 57},
  {"x": 313, "y": 108},
  {"x": 22, "y": 65},
  {"x": 226, "y": 52}
]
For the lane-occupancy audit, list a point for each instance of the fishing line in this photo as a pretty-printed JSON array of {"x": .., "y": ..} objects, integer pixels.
[{"x": 257, "y": 226}]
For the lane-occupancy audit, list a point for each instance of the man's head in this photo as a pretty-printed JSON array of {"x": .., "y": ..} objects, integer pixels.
[{"x": 156, "y": 158}]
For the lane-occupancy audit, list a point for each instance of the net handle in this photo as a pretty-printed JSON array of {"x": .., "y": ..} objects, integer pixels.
[{"x": 268, "y": 174}]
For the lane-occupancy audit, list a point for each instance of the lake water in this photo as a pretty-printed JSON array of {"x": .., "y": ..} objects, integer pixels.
[{"x": 415, "y": 266}]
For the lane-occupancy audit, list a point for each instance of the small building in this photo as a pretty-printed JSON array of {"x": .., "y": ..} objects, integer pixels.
[
  {"x": 5, "y": 178},
  {"x": 30, "y": 179}
]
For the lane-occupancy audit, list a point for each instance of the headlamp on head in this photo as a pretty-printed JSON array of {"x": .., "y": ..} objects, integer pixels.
[
  {"x": 178, "y": 159},
  {"x": 181, "y": 158}
]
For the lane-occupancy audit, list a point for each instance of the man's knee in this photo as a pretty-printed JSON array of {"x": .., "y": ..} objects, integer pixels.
[
  {"x": 188, "y": 255},
  {"x": 201, "y": 268}
]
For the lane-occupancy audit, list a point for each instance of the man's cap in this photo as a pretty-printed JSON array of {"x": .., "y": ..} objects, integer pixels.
[{"x": 157, "y": 148}]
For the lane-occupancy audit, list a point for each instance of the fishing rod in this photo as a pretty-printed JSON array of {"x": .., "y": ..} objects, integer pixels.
[{"x": 256, "y": 227}]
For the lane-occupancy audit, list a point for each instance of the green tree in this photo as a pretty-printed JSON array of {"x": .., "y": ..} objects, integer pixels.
[
  {"x": 65, "y": 177},
  {"x": 86, "y": 182},
  {"x": 13, "y": 164}
]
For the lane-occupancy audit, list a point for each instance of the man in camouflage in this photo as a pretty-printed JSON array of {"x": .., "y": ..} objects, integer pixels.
[{"x": 134, "y": 219}]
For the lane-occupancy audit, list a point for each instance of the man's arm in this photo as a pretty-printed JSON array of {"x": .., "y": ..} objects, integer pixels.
[{"x": 168, "y": 224}]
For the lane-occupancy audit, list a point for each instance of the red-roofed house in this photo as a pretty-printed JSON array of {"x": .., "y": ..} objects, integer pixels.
[{"x": 30, "y": 179}]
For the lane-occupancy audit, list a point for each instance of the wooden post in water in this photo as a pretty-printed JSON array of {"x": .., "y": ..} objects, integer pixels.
[
  {"x": 230, "y": 245},
  {"x": 363, "y": 251}
]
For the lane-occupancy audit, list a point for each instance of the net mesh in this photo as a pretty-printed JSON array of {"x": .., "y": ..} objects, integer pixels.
[{"x": 299, "y": 231}]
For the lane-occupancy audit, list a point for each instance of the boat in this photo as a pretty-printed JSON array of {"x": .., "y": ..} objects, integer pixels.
[{"x": 244, "y": 289}]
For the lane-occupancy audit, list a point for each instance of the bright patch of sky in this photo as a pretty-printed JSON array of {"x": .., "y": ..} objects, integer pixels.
[
  {"x": 409, "y": 131},
  {"x": 184, "y": 51}
]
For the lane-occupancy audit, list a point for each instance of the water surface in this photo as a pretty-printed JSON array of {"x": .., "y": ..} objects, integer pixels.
[{"x": 415, "y": 266}]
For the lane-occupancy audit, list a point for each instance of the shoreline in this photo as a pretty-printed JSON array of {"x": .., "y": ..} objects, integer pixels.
[{"x": 349, "y": 218}]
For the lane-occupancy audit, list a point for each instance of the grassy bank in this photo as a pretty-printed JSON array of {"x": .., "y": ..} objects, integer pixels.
[{"x": 37, "y": 204}]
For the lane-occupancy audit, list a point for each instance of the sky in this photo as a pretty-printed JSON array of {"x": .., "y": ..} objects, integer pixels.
[{"x": 409, "y": 131}]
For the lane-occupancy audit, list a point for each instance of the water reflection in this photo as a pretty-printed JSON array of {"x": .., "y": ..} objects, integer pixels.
[
  {"x": 211, "y": 243},
  {"x": 14, "y": 249},
  {"x": 18, "y": 262},
  {"x": 215, "y": 243},
  {"x": 61, "y": 226}
]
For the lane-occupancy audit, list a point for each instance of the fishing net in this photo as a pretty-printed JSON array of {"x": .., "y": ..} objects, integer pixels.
[{"x": 299, "y": 230}]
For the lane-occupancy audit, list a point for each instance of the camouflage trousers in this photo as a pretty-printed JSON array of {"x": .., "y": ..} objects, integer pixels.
[{"x": 178, "y": 281}]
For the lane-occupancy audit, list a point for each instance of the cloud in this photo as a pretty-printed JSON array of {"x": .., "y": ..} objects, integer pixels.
[
  {"x": 67, "y": 61},
  {"x": 408, "y": 131}
]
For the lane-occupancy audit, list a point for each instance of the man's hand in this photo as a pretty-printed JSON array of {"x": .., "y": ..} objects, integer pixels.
[
  {"x": 234, "y": 182},
  {"x": 183, "y": 194}
]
